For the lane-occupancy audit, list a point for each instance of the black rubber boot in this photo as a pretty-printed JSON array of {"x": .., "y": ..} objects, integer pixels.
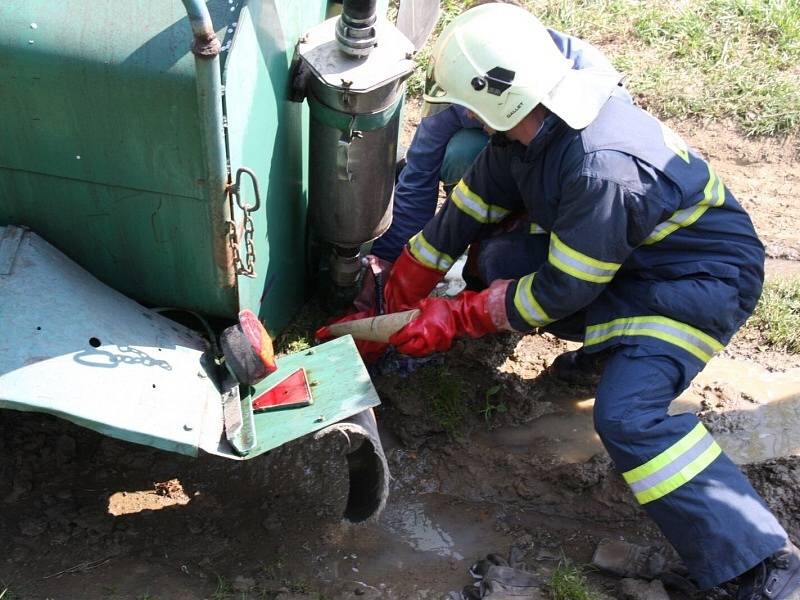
[
  {"x": 577, "y": 367},
  {"x": 776, "y": 578}
]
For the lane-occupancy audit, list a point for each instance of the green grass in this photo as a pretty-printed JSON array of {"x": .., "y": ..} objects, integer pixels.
[
  {"x": 777, "y": 315},
  {"x": 491, "y": 408},
  {"x": 713, "y": 60},
  {"x": 299, "y": 335},
  {"x": 450, "y": 9},
  {"x": 446, "y": 398},
  {"x": 223, "y": 591},
  {"x": 292, "y": 342},
  {"x": 569, "y": 583}
]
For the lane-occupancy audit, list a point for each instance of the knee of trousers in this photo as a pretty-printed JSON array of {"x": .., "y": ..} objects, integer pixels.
[
  {"x": 461, "y": 151},
  {"x": 620, "y": 425}
]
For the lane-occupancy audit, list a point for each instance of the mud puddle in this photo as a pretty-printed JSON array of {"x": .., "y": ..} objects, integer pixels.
[
  {"x": 431, "y": 538},
  {"x": 754, "y": 414},
  {"x": 567, "y": 434}
]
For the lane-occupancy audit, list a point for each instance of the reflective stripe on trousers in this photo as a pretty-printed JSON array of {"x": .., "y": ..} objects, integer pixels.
[
  {"x": 700, "y": 500},
  {"x": 691, "y": 339}
]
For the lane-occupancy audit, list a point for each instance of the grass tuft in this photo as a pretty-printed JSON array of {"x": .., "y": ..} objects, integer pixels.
[
  {"x": 224, "y": 590},
  {"x": 446, "y": 395},
  {"x": 777, "y": 315},
  {"x": 568, "y": 582}
]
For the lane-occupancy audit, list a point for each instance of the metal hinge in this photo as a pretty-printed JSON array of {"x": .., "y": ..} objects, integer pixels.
[{"x": 247, "y": 266}]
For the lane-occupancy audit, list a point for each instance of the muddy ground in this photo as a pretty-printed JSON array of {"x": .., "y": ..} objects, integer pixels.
[{"x": 486, "y": 450}]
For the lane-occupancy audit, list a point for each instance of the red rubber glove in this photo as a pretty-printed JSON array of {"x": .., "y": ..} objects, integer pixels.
[
  {"x": 409, "y": 282},
  {"x": 471, "y": 314},
  {"x": 369, "y": 351}
]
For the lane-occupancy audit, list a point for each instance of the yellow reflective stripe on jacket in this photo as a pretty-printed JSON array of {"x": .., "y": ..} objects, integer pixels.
[
  {"x": 578, "y": 264},
  {"x": 677, "y": 465},
  {"x": 536, "y": 228},
  {"x": 694, "y": 341},
  {"x": 470, "y": 203},
  {"x": 713, "y": 196},
  {"x": 429, "y": 256},
  {"x": 526, "y": 304}
]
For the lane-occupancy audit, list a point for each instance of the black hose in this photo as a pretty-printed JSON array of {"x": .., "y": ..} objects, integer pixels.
[{"x": 360, "y": 12}]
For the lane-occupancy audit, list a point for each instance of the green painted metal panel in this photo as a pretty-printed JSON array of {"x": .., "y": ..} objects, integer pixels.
[
  {"x": 106, "y": 227},
  {"x": 266, "y": 132},
  {"x": 102, "y": 150},
  {"x": 101, "y": 143},
  {"x": 340, "y": 387}
]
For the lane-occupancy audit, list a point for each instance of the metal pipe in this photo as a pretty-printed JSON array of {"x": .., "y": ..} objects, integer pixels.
[
  {"x": 355, "y": 29},
  {"x": 360, "y": 11},
  {"x": 206, "y": 48},
  {"x": 205, "y": 38}
]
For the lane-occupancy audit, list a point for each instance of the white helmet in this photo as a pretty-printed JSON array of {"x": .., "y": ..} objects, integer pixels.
[{"x": 499, "y": 61}]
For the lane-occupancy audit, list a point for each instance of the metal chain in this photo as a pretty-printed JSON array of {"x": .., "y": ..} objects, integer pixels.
[{"x": 247, "y": 266}]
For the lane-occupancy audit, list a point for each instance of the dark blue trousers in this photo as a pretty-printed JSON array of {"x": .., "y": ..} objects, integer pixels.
[{"x": 700, "y": 500}]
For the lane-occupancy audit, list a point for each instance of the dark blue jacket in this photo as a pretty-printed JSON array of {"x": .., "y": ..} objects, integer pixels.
[
  {"x": 644, "y": 237},
  {"x": 417, "y": 189}
]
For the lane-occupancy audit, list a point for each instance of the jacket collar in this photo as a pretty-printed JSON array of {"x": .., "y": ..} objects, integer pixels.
[{"x": 552, "y": 127}]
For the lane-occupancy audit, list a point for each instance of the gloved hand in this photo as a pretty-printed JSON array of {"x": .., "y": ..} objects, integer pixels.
[
  {"x": 369, "y": 351},
  {"x": 375, "y": 275},
  {"x": 409, "y": 281},
  {"x": 472, "y": 314}
]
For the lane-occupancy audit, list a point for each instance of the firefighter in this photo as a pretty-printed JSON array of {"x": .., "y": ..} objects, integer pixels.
[
  {"x": 592, "y": 219},
  {"x": 445, "y": 144}
]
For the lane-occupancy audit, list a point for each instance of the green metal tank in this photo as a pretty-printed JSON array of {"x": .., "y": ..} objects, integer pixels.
[
  {"x": 150, "y": 152},
  {"x": 113, "y": 152}
]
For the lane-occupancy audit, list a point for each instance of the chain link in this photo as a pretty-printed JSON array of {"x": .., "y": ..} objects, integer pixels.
[{"x": 247, "y": 266}]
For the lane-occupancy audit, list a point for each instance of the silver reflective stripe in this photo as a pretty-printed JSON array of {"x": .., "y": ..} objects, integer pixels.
[
  {"x": 675, "y": 466},
  {"x": 473, "y": 205},
  {"x": 595, "y": 272},
  {"x": 472, "y": 208},
  {"x": 427, "y": 254},
  {"x": 630, "y": 327},
  {"x": 531, "y": 311},
  {"x": 713, "y": 196},
  {"x": 536, "y": 228},
  {"x": 526, "y": 304}
]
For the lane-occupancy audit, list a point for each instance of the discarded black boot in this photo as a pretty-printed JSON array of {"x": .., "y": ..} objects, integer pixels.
[
  {"x": 776, "y": 578},
  {"x": 578, "y": 367}
]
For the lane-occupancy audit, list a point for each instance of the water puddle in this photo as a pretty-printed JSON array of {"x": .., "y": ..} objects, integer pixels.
[
  {"x": 765, "y": 425},
  {"x": 568, "y": 435},
  {"x": 762, "y": 423},
  {"x": 411, "y": 523},
  {"x": 428, "y": 537}
]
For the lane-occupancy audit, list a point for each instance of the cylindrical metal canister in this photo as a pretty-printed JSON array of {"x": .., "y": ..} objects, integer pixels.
[
  {"x": 351, "y": 174},
  {"x": 355, "y": 101}
]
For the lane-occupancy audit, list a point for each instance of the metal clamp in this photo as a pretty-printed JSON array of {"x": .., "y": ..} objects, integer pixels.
[{"x": 247, "y": 266}]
